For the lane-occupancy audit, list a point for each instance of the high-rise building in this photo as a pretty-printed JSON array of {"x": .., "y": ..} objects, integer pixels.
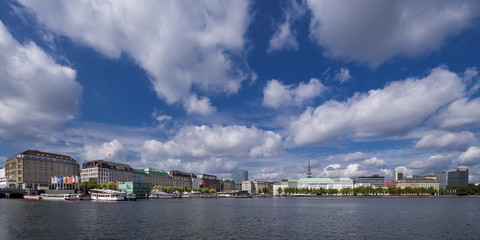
[
  {"x": 35, "y": 169},
  {"x": 441, "y": 178},
  {"x": 240, "y": 176},
  {"x": 458, "y": 177},
  {"x": 398, "y": 173}
]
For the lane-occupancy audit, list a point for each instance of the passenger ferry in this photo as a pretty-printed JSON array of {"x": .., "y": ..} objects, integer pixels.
[
  {"x": 159, "y": 194},
  {"x": 54, "y": 196},
  {"x": 32, "y": 197},
  {"x": 108, "y": 195}
]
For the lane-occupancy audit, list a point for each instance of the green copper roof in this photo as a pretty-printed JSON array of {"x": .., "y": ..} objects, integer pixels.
[{"x": 155, "y": 171}]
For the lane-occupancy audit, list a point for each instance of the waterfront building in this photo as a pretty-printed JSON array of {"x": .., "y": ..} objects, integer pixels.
[
  {"x": 141, "y": 190},
  {"x": 240, "y": 176},
  {"x": 209, "y": 181},
  {"x": 156, "y": 176},
  {"x": 237, "y": 185},
  {"x": 424, "y": 182},
  {"x": 398, "y": 173},
  {"x": 4, "y": 182},
  {"x": 227, "y": 185},
  {"x": 325, "y": 183},
  {"x": 182, "y": 179},
  {"x": 138, "y": 175},
  {"x": 373, "y": 181},
  {"x": 458, "y": 177},
  {"x": 285, "y": 183},
  {"x": 441, "y": 178},
  {"x": 253, "y": 187},
  {"x": 34, "y": 169},
  {"x": 195, "y": 183},
  {"x": 105, "y": 171}
]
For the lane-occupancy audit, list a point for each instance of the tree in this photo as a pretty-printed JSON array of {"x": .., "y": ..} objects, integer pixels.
[
  {"x": 212, "y": 190},
  {"x": 111, "y": 185},
  {"x": 280, "y": 190},
  {"x": 265, "y": 190}
]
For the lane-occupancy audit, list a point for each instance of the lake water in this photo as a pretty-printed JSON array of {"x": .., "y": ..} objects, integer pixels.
[{"x": 260, "y": 218}]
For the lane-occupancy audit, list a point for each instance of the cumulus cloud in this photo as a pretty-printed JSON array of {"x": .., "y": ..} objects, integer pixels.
[
  {"x": 110, "y": 151},
  {"x": 199, "y": 106},
  {"x": 343, "y": 75},
  {"x": 285, "y": 36},
  {"x": 461, "y": 114},
  {"x": 433, "y": 163},
  {"x": 276, "y": 95},
  {"x": 181, "y": 54},
  {"x": 374, "y": 31},
  {"x": 393, "y": 110},
  {"x": 446, "y": 141},
  {"x": 471, "y": 157},
  {"x": 200, "y": 142},
  {"x": 366, "y": 167},
  {"x": 36, "y": 95}
]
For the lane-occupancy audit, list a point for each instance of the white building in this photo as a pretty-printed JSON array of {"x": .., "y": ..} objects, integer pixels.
[
  {"x": 285, "y": 183},
  {"x": 252, "y": 186},
  {"x": 399, "y": 173},
  {"x": 4, "y": 183},
  {"x": 325, "y": 183}
]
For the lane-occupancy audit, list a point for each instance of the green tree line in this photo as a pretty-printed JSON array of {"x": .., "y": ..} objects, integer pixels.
[{"x": 471, "y": 189}]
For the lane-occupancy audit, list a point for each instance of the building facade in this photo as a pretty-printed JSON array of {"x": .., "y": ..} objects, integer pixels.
[
  {"x": 373, "y": 181},
  {"x": 227, "y": 185},
  {"x": 398, "y": 173},
  {"x": 34, "y": 169},
  {"x": 325, "y": 183},
  {"x": 138, "y": 175},
  {"x": 458, "y": 177},
  {"x": 424, "y": 182},
  {"x": 285, "y": 183},
  {"x": 141, "y": 190},
  {"x": 209, "y": 181},
  {"x": 156, "y": 176},
  {"x": 240, "y": 176},
  {"x": 103, "y": 171},
  {"x": 182, "y": 179},
  {"x": 441, "y": 178},
  {"x": 253, "y": 187}
]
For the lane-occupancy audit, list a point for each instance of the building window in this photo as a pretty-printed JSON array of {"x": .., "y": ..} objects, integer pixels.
[
  {"x": 35, "y": 167},
  {"x": 19, "y": 171},
  {"x": 35, "y": 173},
  {"x": 28, "y": 161},
  {"x": 28, "y": 167},
  {"x": 51, "y": 169},
  {"x": 34, "y": 162},
  {"x": 40, "y": 163}
]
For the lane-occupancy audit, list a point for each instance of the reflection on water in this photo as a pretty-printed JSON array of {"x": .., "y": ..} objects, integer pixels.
[{"x": 292, "y": 218}]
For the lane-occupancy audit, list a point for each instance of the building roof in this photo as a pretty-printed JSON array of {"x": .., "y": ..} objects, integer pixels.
[
  {"x": 47, "y": 155},
  {"x": 107, "y": 164},
  {"x": 315, "y": 180},
  {"x": 156, "y": 171},
  {"x": 207, "y": 176}
]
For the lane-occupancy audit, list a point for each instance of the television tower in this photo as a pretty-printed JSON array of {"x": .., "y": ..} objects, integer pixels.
[{"x": 309, "y": 173}]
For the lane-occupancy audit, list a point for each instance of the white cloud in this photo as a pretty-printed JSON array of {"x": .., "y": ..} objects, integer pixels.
[
  {"x": 276, "y": 95},
  {"x": 393, "y": 110},
  {"x": 36, "y": 95},
  {"x": 374, "y": 31},
  {"x": 284, "y": 37},
  {"x": 366, "y": 167},
  {"x": 343, "y": 75},
  {"x": 446, "y": 141},
  {"x": 109, "y": 151},
  {"x": 181, "y": 54},
  {"x": 202, "y": 106},
  {"x": 205, "y": 142},
  {"x": 471, "y": 157},
  {"x": 461, "y": 114},
  {"x": 433, "y": 163},
  {"x": 349, "y": 157}
]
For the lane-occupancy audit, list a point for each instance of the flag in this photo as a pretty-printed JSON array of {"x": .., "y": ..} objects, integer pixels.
[
  {"x": 118, "y": 182},
  {"x": 19, "y": 149},
  {"x": 79, "y": 179},
  {"x": 109, "y": 154}
]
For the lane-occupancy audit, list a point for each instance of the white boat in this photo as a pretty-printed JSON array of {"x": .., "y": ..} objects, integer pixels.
[
  {"x": 108, "y": 195},
  {"x": 77, "y": 197},
  {"x": 159, "y": 194},
  {"x": 32, "y": 197},
  {"x": 130, "y": 197},
  {"x": 54, "y": 196}
]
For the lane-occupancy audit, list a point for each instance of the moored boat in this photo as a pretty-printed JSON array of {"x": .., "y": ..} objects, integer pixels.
[
  {"x": 159, "y": 194},
  {"x": 130, "y": 197},
  {"x": 54, "y": 196},
  {"x": 77, "y": 197},
  {"x": 32, "y": 197},
  {"x": 108, "y": 195}
]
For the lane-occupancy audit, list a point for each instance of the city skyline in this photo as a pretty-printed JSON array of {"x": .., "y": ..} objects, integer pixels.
[{"x": 218, "y": 86}]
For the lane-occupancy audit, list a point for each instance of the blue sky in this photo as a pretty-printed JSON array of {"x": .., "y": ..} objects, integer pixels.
[{"x": 357, "y": 88}]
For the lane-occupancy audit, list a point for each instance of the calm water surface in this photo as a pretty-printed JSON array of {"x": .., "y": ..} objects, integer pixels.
[{"x": 256, "y": 218}]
